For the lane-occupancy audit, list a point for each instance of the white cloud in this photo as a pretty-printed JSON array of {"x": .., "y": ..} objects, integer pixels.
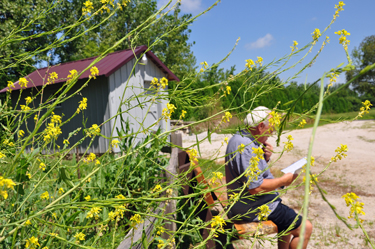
[
  {"x": 261, "y": 42},
  {"x": 187, "y": 6}
]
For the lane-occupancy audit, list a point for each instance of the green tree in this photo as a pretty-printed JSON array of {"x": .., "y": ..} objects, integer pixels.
[
  {"x": 173, "y": 50},
  {"x": 364, "y": 55}
]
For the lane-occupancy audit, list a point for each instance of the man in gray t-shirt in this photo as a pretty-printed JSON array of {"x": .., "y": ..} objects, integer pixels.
[{"x": 248, "y": 175}]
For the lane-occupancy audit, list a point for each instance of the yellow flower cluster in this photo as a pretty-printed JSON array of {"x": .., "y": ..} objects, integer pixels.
[
  {"x": 234, "y": 197},
  {"x": 249, "y": 64},
  {"x": 25, "y": 108},
  {"x": 21, "y": 133},
  {"x": 217, "y": 176},
  {"x": 61, "y": 191},
  {"x": 340, "y": 152},
  {"x": 313, "y": 177},
  {"x": 53, "y": 130},
  {"x": 161, "y": 243},
  {"x": 193, "y": 156},
  {"x": 79, "y": 236},
  {"x": 167, "y": 112},
  {"x": 294, "y": 47},
  {"x": 253, "y": 170},
  {"x": 72, "y": 75},
  {"x": 90, "y": 158},
  {"x": 94, "y": 72},
  {"x": 332, "y": 78},
  {"x": 338, "y": 8},
  {"x": 157, "y": 188},
  {"x": 302, "y": 123},
  {"x": 6, "y": 142},
  {"x": 264, "y": 212},
  {"x": 42, "y": 166},
  {"x": 88, "y": 198},
  {"x": 241, "y": 148},
  {"x": 274, "y": 120},
  {"x": 44, "y": 196},
  {"x": 289, "y": 145},
  {"x": 316, "y": 34},
  {"x": 218, "y": 222},
  {"x": 204, "y": 66},
  {"x": 6, "y": 184},
  {"x": 2, "y": 155},
  {"x": 163, "y": 82},
  {"x": 225, "y": 141},
  {"x": 226, "y": 118},
  {"x": 10, "y": 86},
  {"x": 23, "y": 82},
  {"x": 28, "y": 100},
  {"x": 343, "y": 34},
  {"x": 183, "y": 112},
  {"x": 356, "y": 207},
  {"x": 82, "y": 105},
  {"x": 32, "y": 243},
  {"x": 365, "y": 108},
  {"x": 93, "y": 213},
  {"x": 228, "y": 90},
  {"x": 88, "y": 7},
  {"x": 94, "y": 130},
  {"x": 135, "y": 220},
  {"x": 52, "y": 77},
  {"x": 114, "y": 143},
  {"x": 28, "y": 223},
  {"x": 259, "y": 60}
]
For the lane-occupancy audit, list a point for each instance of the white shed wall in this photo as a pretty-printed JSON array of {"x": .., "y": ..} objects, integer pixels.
[{"x": 123, "y": 88}]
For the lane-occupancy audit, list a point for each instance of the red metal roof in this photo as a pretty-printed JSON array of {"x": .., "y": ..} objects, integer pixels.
[{"x": 107, "y": 66}]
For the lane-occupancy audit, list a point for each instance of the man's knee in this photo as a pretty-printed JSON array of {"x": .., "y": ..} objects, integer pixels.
[{"x": 309, "y": 228}]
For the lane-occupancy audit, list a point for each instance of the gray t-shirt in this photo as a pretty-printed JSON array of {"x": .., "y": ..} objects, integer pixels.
[{"x": 236, "y": 164}]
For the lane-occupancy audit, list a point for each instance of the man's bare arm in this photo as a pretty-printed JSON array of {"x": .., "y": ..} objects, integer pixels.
[{"x": 272, "y": 184}]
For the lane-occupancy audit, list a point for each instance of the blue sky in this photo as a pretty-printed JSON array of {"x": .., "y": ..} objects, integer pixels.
[{"x": 268, "y": 29}]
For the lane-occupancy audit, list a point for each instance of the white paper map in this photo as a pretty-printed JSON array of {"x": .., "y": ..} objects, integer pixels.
[{"x": 294, "y": 167}]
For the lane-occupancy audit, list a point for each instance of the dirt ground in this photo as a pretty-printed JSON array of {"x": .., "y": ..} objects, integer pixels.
[{"x": 355, "y": 173}]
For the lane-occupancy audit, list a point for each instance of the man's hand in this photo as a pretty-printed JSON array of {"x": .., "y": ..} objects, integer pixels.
[
  {"x": 267, "y": 151},
  {"x": 288, "y": 178}
]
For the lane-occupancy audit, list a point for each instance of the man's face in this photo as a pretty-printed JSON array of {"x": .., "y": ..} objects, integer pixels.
[{"x": 265, "y": 130}]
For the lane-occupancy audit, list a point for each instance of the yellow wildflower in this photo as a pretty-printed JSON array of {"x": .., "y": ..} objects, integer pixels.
[
  {"x": 302, "y": 123},
  {"x": 23, "y": 82},
  {"x": 45, "y": 196},
  {"x": 94, "y": 72},
  {"x": 259, "y": 60},
  {"x": 93, "y": 213},
  {"x": 95, "y": 129},
  {"x": 274, "y": 120},
  {"x": 294, "y": 47},
  {"x": 316, "y": 34},
  {"x": 28, "y": 222},
  {"x": 241, "y": 148},
  {"x": 79, "y": 236},
  {"x": 28, "y": 100},
  {"x": 114, "y": 143},
  {"x": 258, "y": 152},
  {"x": 183, "y": 112},
  {"x": 28, "y": 175},
  {"x": 167, "y": 112},
  {"x": 66, "y": 141},
  {"x": 4, "y": 194},
  {"x": 32, "y": 243},
  {"x": 61, "y": 191},
  {"x": 155, "y": 82},
  {"x": 249, "y": 64},
  {"x": 160, "y": 230},
  {"x": 164, "y": 82},
  {"x": 340, "y": 152},
  {"x": 82, "y": 105},
  {"x": 21, "y": 133},
  {"x": 135, "y": 219},
  {"x": 87, "y": 198},
  {"x": 88, "y": 7},
  {"x": 226, "y": 118},
  {"x": 25, "y": 108},
  {"x": 42, "y": 166},
  {"x": 218, "y": 222},
  {"x": 289, "y": 145},
  {"x": 72, "y": 75},
  {"x": 10, "y": 86},
  {"x": 157, "y": 188},
  {"x": 264, "y": 212}
]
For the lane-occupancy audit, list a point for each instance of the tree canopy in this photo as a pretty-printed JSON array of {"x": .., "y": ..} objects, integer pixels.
[{"x": 363, "y": 56}]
